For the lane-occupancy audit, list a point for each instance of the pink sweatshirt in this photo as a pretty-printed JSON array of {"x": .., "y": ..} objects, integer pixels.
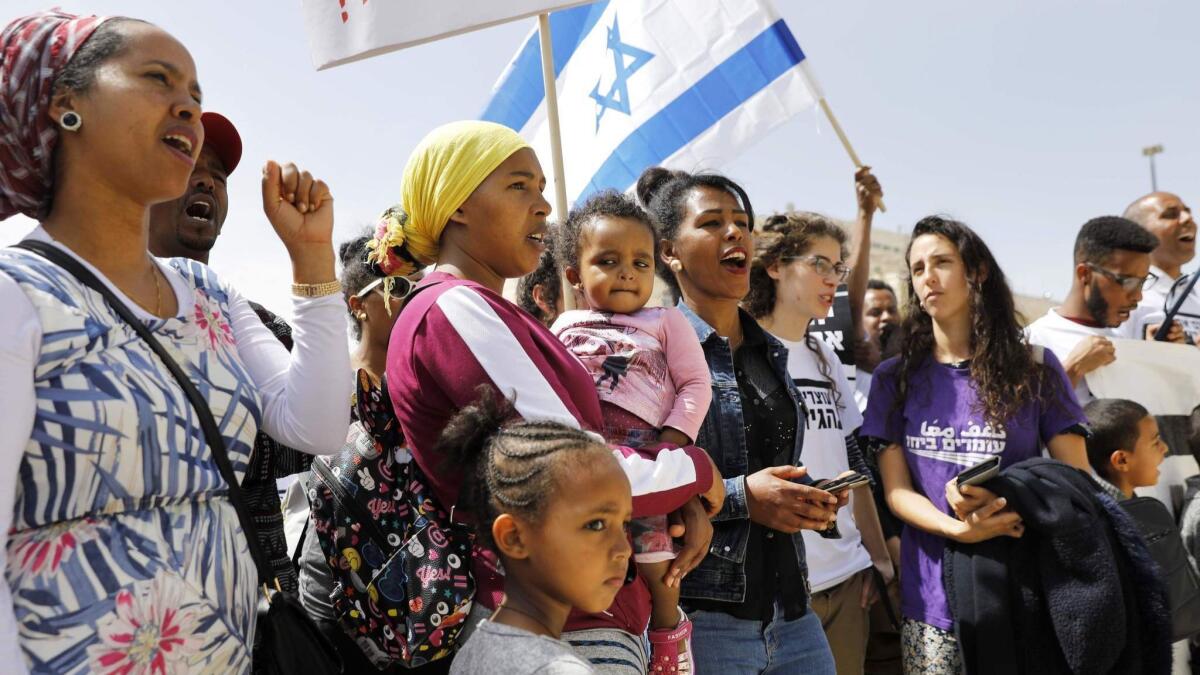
[
  {"x": 648, "y": 363},
  {"x": 457, "y": 335}
]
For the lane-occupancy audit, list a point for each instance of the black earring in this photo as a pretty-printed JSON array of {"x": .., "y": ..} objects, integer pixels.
[{"x": 70, "y": 121}]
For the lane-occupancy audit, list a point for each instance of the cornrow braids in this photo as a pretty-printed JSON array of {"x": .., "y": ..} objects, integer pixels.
[{"x": 509, "y": 465}]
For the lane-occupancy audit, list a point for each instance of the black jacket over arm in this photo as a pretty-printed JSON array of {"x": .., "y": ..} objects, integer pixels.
[{"x": 1078, "y": 593}]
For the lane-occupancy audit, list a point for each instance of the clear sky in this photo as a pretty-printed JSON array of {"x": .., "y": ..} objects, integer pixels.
[{"x": 1022, "y": 118}]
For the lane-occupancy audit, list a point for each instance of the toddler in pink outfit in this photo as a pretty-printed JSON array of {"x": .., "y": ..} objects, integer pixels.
[{"x": 649, "y": 370}]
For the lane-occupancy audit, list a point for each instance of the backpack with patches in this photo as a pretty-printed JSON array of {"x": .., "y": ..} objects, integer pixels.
[{"x": 401, "y": 566}]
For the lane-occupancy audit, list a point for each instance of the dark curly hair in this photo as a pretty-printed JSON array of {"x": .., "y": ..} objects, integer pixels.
[
  {"x": 1099, "y": 237},
  {"x": 1002, "y": 366},
  {"x": 509, "y": 465},
  {"x": 356, "y": 273},
  {"x": 546, "y": 274},
  {"x": 603, "y": 204},
  {"x": 663, "y": 191},
  {"x": 786, "y": 235}
]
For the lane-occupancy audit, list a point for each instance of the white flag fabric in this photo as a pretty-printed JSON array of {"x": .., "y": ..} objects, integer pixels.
[
  {"x": 686, "y": 84},
  {"x": 341, "y": 31},
  {"x": 1165, "y": 378}
]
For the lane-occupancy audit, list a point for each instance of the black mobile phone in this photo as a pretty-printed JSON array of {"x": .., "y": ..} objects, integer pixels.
[
  {"x": 981, "y": 472},
  {"x": 844, "y": 483}
]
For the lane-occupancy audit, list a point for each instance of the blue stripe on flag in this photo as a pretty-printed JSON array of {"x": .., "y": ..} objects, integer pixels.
[
  {"x": 521, "y": 92},
  {"x": 749, "y": 70}
]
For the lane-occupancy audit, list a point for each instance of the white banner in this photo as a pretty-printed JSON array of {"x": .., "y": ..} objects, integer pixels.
[
  {"x": 1165, "y": 378},
  {"x": 341, "y": 31}
]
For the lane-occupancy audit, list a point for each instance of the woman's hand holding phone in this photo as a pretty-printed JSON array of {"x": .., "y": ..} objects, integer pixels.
[
  {"x": 988, "y": 522},
  {"x": 967, "y": 499}
]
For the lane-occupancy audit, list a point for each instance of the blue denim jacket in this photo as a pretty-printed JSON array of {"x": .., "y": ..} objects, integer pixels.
[{"x": 721, "y": 575}]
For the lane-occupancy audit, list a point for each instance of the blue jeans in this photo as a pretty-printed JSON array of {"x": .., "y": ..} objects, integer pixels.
[{"x": 727, "y": 645}]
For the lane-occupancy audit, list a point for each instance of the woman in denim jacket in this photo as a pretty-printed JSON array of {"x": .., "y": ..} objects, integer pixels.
[{"x": 748, "y": 600}]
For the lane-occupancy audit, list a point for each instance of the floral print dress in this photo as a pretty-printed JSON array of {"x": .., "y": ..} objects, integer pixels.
[{"x": 125, "y": 554}]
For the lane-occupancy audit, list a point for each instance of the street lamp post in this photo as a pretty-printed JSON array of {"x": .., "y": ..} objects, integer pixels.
[{"x": 1150, "y": 152}]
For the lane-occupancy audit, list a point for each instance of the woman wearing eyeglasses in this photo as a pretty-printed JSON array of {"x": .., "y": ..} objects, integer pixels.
[
  {"x": 799, "y": 262},
  {"x": 966, "y": 386},
  {"x": 373, "y": 302}
]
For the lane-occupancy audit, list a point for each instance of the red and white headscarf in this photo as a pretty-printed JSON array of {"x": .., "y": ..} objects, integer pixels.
[{"x": 33, "y": 51}]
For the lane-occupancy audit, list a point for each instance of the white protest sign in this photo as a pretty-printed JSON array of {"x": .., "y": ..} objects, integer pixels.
[{"x": 341, "y": 31}]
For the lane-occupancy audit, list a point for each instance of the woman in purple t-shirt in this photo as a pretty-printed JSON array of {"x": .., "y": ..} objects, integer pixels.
[{"x": 965, "y": 387}]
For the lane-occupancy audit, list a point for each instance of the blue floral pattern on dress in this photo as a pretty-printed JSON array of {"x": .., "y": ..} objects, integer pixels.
[{"x": 126, "y": 555}]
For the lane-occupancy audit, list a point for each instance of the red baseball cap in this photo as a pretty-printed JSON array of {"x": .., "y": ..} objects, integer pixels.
[{"x": 223, "y": 138}]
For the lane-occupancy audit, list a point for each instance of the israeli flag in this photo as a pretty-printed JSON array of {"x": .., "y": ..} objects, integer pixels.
[{"x": 686, "y": 84}]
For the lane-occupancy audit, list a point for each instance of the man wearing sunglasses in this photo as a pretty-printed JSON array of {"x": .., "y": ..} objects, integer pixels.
[
  {"x": 1167, "y": 217},
  {"x": 1112, "y": 265}
]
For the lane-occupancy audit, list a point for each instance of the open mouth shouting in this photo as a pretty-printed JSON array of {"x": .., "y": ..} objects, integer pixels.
[
  {"x": 201, "y": 209},
  {"x": 735, "y": 260},
  {"x": 182, "y": 142}
]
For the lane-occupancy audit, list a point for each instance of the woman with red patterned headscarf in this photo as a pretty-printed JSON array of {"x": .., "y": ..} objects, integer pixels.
[{"x": 121, "y": 550}]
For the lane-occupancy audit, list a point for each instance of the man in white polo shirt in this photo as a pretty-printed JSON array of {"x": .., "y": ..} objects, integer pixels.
[
  {"x": 1112, "y": 264},
  {"x": 1167, "y": 217}
]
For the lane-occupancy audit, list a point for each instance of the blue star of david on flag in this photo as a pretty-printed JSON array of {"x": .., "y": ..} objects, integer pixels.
[{"x": 617, "y": 97}]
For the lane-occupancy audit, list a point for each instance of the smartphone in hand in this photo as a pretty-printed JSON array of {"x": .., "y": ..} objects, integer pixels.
[
  {"x": 980, "y": 473},
  {"x": 844, "y": 483}
]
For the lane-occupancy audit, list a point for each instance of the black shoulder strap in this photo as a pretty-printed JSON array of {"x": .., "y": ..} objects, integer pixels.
[
  {"x": 1165, "y": 328},
  {"x": 211, "y": 433}
]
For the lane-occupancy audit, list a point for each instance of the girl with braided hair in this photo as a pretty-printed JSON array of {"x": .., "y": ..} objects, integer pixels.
[
  {"x": 553, "y": 502},
  {"x": 472, "y": 194}
]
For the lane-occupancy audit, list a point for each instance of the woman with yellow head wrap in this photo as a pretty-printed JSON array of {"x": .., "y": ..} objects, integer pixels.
[
  {"x": 473, "y": 195},
  {"x": 446, "y": 170}
]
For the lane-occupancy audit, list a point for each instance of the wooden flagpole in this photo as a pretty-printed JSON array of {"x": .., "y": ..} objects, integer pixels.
[
  {"x": 815, "y": 88},
  {"x": 556, "y": 155}
]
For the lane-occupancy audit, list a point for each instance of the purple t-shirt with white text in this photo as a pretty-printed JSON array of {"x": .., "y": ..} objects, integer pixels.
[{"x": 941, "y": 435}]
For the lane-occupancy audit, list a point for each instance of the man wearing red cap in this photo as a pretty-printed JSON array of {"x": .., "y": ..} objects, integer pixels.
[{"x": 188, "y": 227}]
